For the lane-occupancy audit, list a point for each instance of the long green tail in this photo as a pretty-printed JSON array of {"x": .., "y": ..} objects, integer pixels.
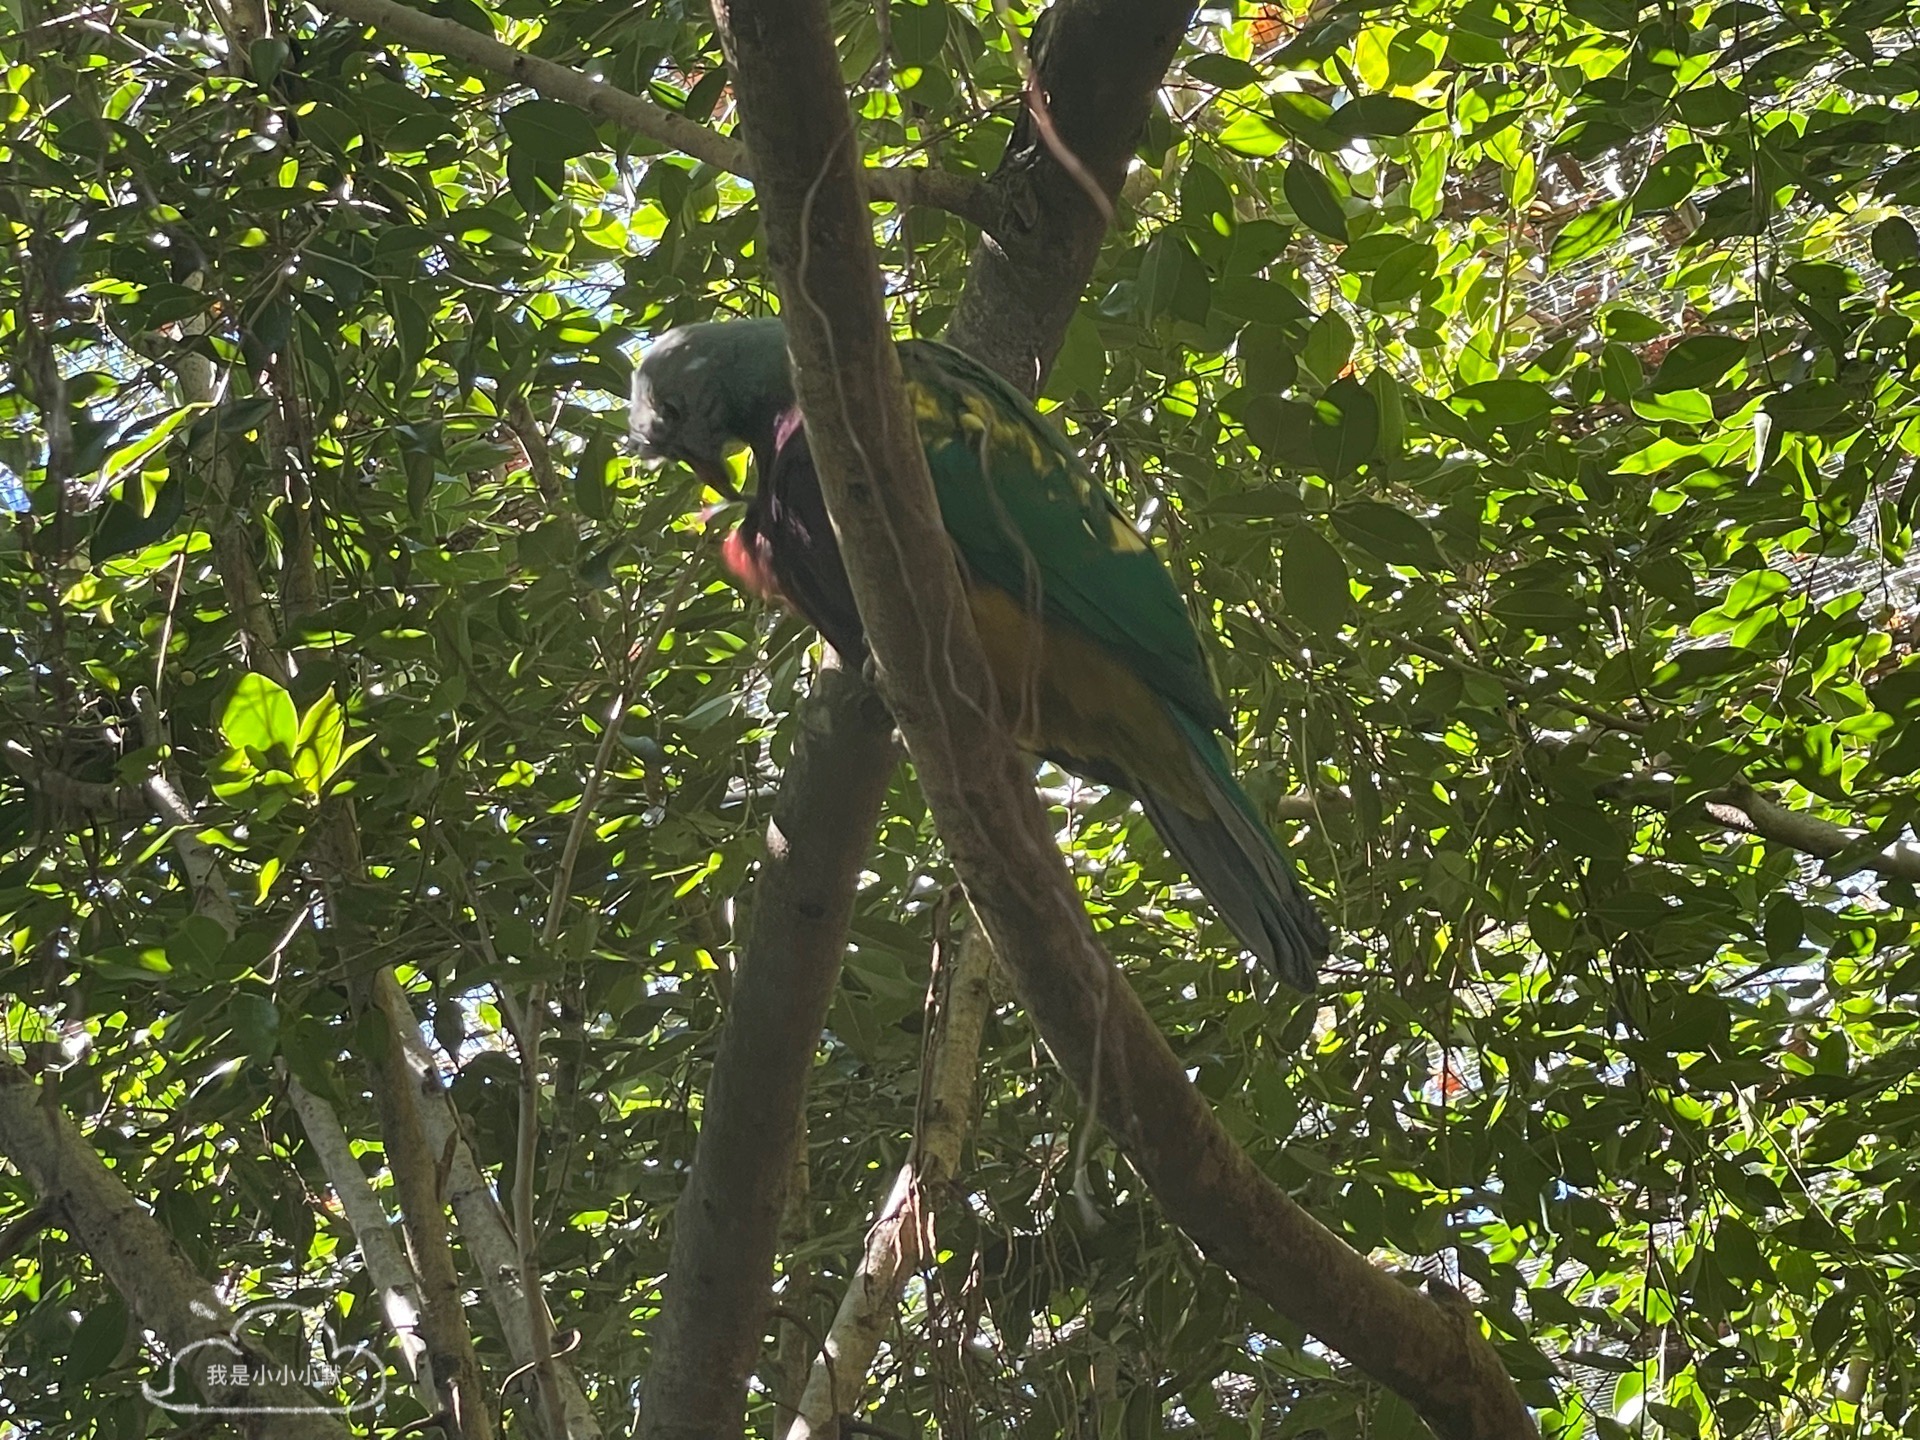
[{"x": 1240, "y": 867}]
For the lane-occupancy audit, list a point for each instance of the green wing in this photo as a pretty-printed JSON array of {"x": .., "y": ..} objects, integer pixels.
[{"x": 1029, "y": 517}]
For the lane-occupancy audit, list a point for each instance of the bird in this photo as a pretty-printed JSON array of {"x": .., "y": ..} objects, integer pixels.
[{"x": 1097, "y": 665}]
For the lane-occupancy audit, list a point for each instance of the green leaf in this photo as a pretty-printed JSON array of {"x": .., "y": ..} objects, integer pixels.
[
  {"x": 266, "y": 57},
  {"x": 1538, "y": 606},
  {"x": 1370, "y": 252},
  {"x": 1504, "y": 402},
  {"x": 1409, "y": 58},
  {"x": 1173, "y": 281},
  {"x": 1389, "y": 401},
  {"x": 1404, "y": 274},
  {"x": 1630, "y": 326},
  {"x": 1821, "y": 280},
  {"x": 1304, "y": 116},
  {"x": 1253, "y": 135},
  {"x": 1080, "y": 368},
  {"x": 1707, "y": 107},
  {"x": 1314, "y": 200},
  {"x": 1588, "y": 232},
  {"x": 1224, "y": 71},
  {"x": 551, "y": 129},
  {"x": 590, "y": 490},
  {"x": 1269, "y": 360},
  {"x": 1250, "y": 297},
  {"x": 1206, "y": 208},
  {"x": 919, "y": 33},
  {"x": 1691, "y": 407},
  {"x": 259, "y": 715},
  {"x": 96, "y": 1342},
  {"x": 1738, "y": 1250},
  {"x": 321, "y": 743},
  {"x": 1313, "y": 579},
  {"x": 1388, "y": 533},
  {"x": 1328, "y": 347},
  {"x": 1283, "y": 429},
  {"x": 256, "y": 1023},
  {"x": 1698, "y": 362},
  {"x": 1620, "y": 371},
  {"x": 1820, "y": 407},
  {"x": 1368, "y": 116},
  {"x": 1669, "y": 180},
  {"x": 1348, "y": 434},
  {"x": 1584, "y": 828},
  {"x": 124, "y": 527},
  {"x": 1896, "y": 244},
  {"x": 196, "y": 946}
]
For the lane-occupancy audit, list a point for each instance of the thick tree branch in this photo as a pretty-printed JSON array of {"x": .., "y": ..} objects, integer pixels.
[
  {"x": 485, "y": 1232},
  {"x": 162, "y": 1291},
  {"x": 63, "y": 790},
  {"x": 847, "y": 377},
  {"x": 416, "y": 1182},
  {"x": 902, "y": 1233},
  {"x": 962, "y": 195},
  {"x": 387, "y": 1264},
  {"x": 1812, "y": 835},
  {"x": 741, "y": 1251},
  {"x": 1739, "y": 806},
  {"x": 717, "y": 1299},
  {"x": 1098, "y": 64}
]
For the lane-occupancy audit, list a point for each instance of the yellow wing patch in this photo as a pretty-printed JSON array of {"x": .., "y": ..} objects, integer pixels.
[
  {"x": 925, "y": 402},
  {"x": 1124, "y": 537}
]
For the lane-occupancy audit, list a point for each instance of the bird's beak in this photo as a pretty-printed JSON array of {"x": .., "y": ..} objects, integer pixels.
[
  {"x": 715, "y": 475},
  {"x": 712, "y": 470}
]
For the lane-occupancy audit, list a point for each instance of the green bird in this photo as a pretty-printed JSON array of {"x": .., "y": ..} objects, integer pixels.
[{"x": 1097, "y": 665}]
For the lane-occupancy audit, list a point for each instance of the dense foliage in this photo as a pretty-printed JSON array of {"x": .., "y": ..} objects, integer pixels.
[{"x": 1523, "y": 395}]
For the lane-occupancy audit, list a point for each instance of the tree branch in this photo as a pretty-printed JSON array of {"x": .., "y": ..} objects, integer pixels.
[
  {"x": 902, "y": 1233},
  {"x": 847, "y": 377},
  {"x": 963, "y": 195},
  {"x": 715, "y": 1308},
  {"x": 139, "y": 1258},
  {"x": 1099, "y": 64},
  {"x": 1812, "y": 835},
  {"x": 387, "y": 1265},
  {"x": 1739, "y": 806},
  {"x": 62, "y": 789},
  {"x": 485, "y": 1233},
  {"x": 416, "y": 1182},
  {"x": 738, "y": 1252}
]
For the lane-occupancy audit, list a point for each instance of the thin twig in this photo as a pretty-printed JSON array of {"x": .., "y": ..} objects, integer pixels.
[
  {"x": 528, "y": 1029},
  {"x": 970, "y": 198}
]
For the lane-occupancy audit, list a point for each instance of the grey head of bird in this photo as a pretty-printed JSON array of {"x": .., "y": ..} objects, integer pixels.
[{"x": 700, "y": 390}]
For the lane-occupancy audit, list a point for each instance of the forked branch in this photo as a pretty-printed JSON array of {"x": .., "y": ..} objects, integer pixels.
[{"x": 847, "y": 376}]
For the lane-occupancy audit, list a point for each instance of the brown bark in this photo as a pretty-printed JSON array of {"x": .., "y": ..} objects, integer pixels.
[
  {"x": 847, "y": 376},
  {"x": 717, "y": 1301},
  {"x": 901, "y": 1236},
  {"x": 963, "y": 195},
  {"x": 423, "y": 1210},
  {"x": 1098, "y": 65},
  {"x": 1012, "y": 316},
  {"x": 162, "y": 1291}
]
